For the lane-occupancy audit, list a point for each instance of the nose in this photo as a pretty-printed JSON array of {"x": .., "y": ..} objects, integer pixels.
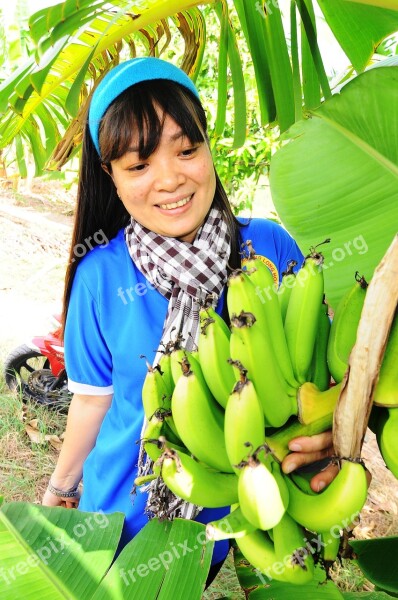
[{"x": 168, "y": 176}]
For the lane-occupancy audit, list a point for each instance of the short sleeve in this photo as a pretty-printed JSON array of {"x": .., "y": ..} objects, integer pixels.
[
  {"x": 87, "y": 358},
  {"x": 290, "y": 252}
]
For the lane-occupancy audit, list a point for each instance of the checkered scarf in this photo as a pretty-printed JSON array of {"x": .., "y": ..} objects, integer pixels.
[{"x": 184, "y": 273}]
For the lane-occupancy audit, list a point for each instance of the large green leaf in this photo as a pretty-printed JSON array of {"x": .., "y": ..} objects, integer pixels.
[
  {"x": 52, "y": 553},
  {"x": 358, "y": 28},
  {"x": 377, "y": 559},
  {"x": 166, "y": 560},
  {"x": 59, "y": 554},
  {"x": 337, "y": 177}
]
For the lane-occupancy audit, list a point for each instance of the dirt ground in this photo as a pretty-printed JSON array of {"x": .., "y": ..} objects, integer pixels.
[{"x": 35, "y": 230}]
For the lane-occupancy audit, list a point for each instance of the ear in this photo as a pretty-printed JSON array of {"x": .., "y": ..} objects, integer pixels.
[{"x": 108, "y": 170}]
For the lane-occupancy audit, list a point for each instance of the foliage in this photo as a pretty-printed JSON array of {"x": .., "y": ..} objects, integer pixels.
[{"x": 57, "y": 553}]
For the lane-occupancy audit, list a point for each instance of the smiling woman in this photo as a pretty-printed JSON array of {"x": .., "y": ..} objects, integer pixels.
[{"x": 148, "y": 183}]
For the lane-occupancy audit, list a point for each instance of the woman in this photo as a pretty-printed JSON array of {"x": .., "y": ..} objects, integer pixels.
[{"x": 148, "y": 185}]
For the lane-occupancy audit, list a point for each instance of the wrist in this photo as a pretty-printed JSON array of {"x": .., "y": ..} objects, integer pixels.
[{"x": 71, "y": 492}]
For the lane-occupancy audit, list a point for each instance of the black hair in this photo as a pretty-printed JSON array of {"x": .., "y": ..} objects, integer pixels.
[{"x": 99, "y": 209}]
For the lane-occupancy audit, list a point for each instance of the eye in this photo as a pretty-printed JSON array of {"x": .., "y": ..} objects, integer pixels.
[
  {"x": 189, "y": 151},
  {"x": 138, "y": 167}
]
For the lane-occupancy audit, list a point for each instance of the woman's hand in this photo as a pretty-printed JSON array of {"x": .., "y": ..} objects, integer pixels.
[
  {"x": 308, "y": 449},
  {"x": 50, "y": 499}
]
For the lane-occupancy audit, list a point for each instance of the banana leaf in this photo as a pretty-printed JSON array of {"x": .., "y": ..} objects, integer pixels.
[
  {"x": 336, "y": 177},
  {"x": 54, "y": 553},
  {"x": 377, "y": 558}
]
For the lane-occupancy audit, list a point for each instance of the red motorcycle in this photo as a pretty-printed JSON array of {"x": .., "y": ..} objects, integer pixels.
[{"x": 37, "y": 370}]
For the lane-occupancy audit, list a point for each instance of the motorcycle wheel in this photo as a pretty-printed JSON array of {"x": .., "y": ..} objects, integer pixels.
[{"x": 19, "y": 364}]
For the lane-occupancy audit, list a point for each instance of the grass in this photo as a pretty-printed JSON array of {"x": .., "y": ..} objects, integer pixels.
[{"x": 25, "y": 467}]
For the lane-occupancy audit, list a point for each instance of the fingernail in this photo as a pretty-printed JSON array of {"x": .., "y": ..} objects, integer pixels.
[
  {"x": 290, "y": 467},
  {"x": 295, "y": 447},
  {"x": 321, "y": 485}
]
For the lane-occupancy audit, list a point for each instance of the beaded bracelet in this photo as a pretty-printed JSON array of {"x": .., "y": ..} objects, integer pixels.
[{"x": 72, "y": 493}]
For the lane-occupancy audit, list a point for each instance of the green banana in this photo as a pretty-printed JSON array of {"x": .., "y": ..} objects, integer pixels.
[
  {"x": 330, "y": 546},
  {"x": 319, "y": 370},
  {"x": 154, "y": 392},
  {"x": 244, "y": 419},
  {"x": 301, "y": 321},
  {"x": 314, "y": 404},
  {"x": 278, "y": 441},
  {"x": 242, "y": 297},
  {"x": 343, "y": 331},
  {"x": 165, "y": 366},
  {"x": 259, "y": 550},
  {"x": 213, "y": 356},
  {"x": 196, "y": 483},
  {"x": 265, "y": 288},
  {"x": 285, "y": 288},
  {"x": 234, "y": 525},
  {"x": 208, "y": 312},
  {"x": 290, "y": 548},
  {"x": 336, "y": 506},
  {"x": 386, "y": 391},
  {"x": 248, "y": 345},
  {"x": 176, "y": 357},
  {"x": 199, "y": 419},
  {"x": 387, "y": 438},
  {"x": 260, "y": 498}
]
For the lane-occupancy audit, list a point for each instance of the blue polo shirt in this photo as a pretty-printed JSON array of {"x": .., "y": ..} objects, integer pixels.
[{"x": 115, "y": 316}]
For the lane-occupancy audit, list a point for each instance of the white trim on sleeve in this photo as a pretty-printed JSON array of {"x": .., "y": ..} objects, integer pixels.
[{"x": 89, "y": 390}]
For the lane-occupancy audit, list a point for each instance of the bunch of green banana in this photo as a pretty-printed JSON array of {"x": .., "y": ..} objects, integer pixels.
[
  {"x": 344, "y": 327},
  {"x": 235, "y": 405}
]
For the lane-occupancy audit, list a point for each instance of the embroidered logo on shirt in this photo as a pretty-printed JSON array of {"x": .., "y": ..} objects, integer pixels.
[{"x": 269, "y": 264}]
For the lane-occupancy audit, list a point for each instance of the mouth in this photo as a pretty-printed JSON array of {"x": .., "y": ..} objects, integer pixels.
[{"x": 173, "y": 205}]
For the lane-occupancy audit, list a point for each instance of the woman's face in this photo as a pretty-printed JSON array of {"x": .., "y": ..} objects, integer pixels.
[{"x": 170, "y": 192}]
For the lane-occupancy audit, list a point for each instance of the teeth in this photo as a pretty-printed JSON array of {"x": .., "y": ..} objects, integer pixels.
[{"x": 171, "y": 205}]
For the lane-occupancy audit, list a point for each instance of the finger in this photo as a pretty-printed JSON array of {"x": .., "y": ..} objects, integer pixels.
[
  {"x": 311, "y": 443},
  {"x": 324, "y": 477},
  {"x": 298, "y": 459}
]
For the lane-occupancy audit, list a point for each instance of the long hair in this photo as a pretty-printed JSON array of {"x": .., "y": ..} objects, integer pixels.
[{"x": 99, "y": 209}]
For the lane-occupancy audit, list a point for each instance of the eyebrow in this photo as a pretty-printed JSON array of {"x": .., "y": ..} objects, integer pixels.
[{"x": 173, "y": 138}]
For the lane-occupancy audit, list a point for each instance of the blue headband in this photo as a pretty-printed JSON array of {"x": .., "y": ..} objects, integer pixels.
[{"x": 125, "y": 75}]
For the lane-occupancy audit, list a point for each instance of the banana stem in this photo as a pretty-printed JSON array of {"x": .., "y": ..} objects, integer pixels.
[
  {"x": 314, "y": 404},
  {"x": 278, "y": 441}
]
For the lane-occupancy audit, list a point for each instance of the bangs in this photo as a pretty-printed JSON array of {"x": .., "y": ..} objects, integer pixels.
[{"x": 132, "y": 116}]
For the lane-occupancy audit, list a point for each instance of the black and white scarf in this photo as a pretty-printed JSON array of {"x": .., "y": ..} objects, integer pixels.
[{"x": 185, "y": 273}]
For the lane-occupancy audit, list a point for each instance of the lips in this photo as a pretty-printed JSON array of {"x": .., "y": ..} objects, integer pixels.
[{"x": 179, "y": 204}]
